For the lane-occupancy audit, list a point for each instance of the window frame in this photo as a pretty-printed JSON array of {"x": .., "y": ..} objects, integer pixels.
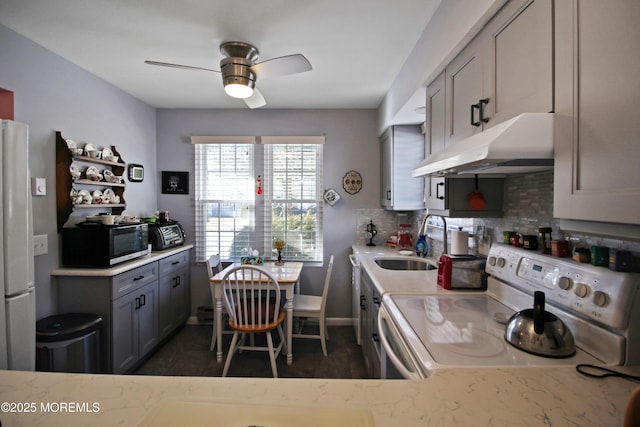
[
  {"x": 312, "y": 197},
  {"x": 261, "y": 234},
  {"x": 205, "y": 199}
]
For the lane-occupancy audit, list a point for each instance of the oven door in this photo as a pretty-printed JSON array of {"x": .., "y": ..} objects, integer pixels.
[{"x": 396, "y": 359}]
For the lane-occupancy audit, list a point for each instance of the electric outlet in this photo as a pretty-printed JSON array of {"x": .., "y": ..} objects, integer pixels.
[{"x": 40, "y": 244}]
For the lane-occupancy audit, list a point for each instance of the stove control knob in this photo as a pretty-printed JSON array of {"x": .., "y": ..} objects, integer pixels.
[
  {"x": 565, "y": 283},
  {"x": 600, "y": 298},
  {"x": 492, "y": 261},
  {"x": 581, "y": 290},
  {"x": 501, "y": 262}
]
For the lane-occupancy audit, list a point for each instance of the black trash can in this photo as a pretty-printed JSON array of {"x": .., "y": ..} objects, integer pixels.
[{"x": 69, "y": 343}]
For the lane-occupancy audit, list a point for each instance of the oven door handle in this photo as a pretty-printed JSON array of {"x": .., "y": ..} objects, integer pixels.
[
  {"x": 354, "y": 262},
  {"x": 383, "y": 318}
]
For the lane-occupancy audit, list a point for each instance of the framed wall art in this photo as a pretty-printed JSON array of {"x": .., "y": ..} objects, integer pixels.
[{"x": 175, "y": 182}]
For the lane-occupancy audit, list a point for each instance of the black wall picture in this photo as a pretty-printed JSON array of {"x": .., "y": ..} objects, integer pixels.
[{"x": 175, "y": 182}]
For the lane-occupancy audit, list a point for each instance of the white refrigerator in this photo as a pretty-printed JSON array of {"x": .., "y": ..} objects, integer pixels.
[{"x": 18, "y": 304}]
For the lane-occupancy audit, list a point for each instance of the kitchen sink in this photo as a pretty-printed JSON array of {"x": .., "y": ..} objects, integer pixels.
[{"x": 404, "y": 264}]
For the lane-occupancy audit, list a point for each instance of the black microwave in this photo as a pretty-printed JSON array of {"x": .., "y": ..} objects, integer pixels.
[{"x": 98, "y": 245}]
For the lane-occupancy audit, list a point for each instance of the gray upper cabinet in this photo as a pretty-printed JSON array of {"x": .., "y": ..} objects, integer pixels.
[
  {"x": 464, "y": 90},
  {"x": 436, "y": 127},
  {"x": 518, "y": 78},
  {"x": 596, "y": 174},
  {"x": 506, "y": 70},
  {"x": 402, "y": 148}
]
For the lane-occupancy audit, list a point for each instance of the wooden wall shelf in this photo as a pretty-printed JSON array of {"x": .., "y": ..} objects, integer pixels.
[{"x": 64, "y": 181}]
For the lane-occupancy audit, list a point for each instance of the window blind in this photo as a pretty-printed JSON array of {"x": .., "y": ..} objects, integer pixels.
[
  {"x": 293, "y": 196},
  {"x": 224, "y": 195}
]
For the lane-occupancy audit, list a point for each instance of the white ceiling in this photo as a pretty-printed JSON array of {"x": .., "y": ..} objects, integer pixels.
[{"x": 356, "y": 47}]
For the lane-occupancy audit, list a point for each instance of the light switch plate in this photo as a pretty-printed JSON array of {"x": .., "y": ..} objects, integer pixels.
[
  {"x": 38, "y": 186},
  {"x": 40, "y": 244}
]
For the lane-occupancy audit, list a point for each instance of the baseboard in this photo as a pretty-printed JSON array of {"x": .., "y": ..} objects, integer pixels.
[
  {"x": 193, "y": 320},
  {"x": 339, "y": 321},
  {"x": 331, "y": 321}
]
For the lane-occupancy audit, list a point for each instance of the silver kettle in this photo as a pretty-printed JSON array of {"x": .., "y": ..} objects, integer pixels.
[{"x": 540, "y": 332}]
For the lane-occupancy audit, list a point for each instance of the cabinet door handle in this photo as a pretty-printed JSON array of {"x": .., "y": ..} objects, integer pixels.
[
  {"x": 176, "y": 281},
  {"x": 474, "y": 107},
  {"x": 438, "y": 196},
  {"x": 138, "y": 303},
  {"x": 388, "y": 194},
  {"x": 483, "y": 102},
  {"x": 135, "y": 279},
  {"x": 363, "y": 303},
  {"x": 376, "y": 301},
  {"x": 143, "y": 300},
  {"x": 375, "y": 337}
]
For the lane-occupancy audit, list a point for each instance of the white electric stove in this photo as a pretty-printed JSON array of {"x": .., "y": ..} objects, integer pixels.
[{"x": 421, "y": 333}]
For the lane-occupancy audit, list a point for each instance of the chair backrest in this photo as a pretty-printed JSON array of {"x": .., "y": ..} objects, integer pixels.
[
  {"x": 213, "y": 265},
  {"x": 251, "y": 296},
  {"x": 327, "y": 281}
]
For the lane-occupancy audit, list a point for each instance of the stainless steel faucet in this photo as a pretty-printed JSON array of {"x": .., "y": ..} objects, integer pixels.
[{"x": 423, "y": 229}]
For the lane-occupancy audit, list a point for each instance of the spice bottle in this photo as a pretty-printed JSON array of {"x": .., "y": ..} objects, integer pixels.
[{"x": 545, "y": 239}]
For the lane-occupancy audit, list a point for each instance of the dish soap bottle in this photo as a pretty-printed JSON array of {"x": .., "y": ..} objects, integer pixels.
[{"x": 422, "y": 248}]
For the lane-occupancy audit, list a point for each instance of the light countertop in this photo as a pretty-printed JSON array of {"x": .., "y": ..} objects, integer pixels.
[
  {"x": 396, "y": 280},
  {"x": 466, "y": 397},
  {"x": 119, "y": 268},
  {"x": 461, "y": 396}
]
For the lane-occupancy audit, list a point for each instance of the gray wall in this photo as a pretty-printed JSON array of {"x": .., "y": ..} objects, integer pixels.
[
  {"x": 52, "y": 94},
  {"x": 351, "y": 144}
]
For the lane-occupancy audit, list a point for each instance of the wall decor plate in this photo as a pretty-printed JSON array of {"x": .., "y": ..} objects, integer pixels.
[
  {"x": 352, "y": 182},
  {"x": 331, "y": 196}
]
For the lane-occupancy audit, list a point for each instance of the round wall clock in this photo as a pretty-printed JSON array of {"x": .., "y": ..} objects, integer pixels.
[{"x": 352, "y": 182}]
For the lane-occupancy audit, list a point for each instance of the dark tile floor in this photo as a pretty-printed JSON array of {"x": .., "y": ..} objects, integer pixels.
[{"x": 187, "y": 354}]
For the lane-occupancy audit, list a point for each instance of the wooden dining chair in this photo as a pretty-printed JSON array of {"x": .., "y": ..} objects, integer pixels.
[
  {"x": 213, "y": 267},
  {"x": 313, "y": 306},
  {"x": 252, "y": 299}
]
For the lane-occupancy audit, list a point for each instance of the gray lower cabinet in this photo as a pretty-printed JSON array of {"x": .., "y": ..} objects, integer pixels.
[
  {"x": 135, "y": 326},
  {"x": 140, "y": 307},
  {"x": 174, "y": 292},
  {"x": 370, "y": 304}
]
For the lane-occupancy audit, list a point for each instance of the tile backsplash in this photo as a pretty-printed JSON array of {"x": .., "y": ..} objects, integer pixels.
[{"x": 528, "y": 205}]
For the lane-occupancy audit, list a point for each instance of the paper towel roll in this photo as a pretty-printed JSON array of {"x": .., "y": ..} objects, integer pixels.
[{"x": 459, "y": 242}]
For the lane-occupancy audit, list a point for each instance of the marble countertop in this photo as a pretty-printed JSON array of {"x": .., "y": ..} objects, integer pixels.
[
  {"x": 467, "y": 397},
  {"x": 119, "y": 268}
]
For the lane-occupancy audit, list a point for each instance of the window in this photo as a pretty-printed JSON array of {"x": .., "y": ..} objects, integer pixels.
[
  {"x": 224, "y": 196},
  {"x": 290, "y": 209},
  {"x": 293, "y": 196}
]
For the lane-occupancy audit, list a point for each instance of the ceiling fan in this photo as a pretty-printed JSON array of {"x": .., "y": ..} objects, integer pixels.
[{"x": 240, "y": 71}]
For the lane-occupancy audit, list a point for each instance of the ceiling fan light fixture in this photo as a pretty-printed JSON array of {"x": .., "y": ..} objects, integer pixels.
[
  {"x": 237, "y": 77},
  {"x": 238, "y": 90}
]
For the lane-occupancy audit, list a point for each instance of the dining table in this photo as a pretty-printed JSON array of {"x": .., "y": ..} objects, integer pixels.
[{"x": 288, "y": 276}]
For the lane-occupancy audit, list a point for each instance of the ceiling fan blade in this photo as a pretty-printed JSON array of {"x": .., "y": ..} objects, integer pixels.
[
  {"x": 256, "y": 100},
  {"x": 282, "y": 66},
  {"x": 187, "y": 67}
]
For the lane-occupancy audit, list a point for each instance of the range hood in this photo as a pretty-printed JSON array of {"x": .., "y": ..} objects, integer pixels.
[{"x": 522, "y": 144}]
